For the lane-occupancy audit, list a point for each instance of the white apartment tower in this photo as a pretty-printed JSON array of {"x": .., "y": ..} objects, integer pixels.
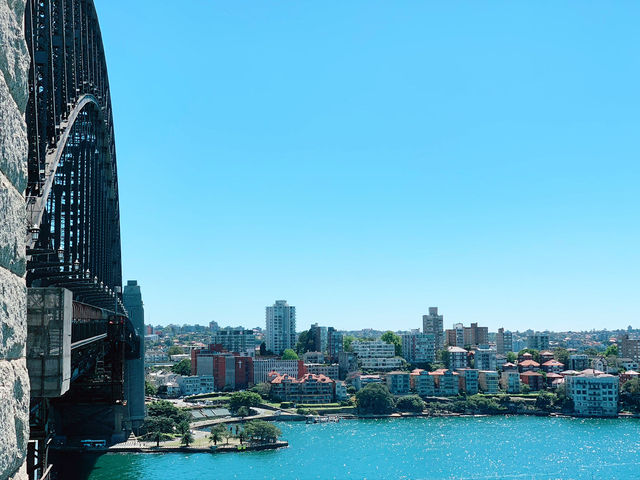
[
  {"x": 433, "y": 324},
  {"x": 281, "y": 327}
]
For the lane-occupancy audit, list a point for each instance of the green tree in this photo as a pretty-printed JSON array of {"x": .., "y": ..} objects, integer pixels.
[
  {"x": 612, "y": 350},
  {"x": 158, "y": 428},
  {"x": 227, "y": 435},
  {"x": 545, "y": 401},
  {"x": 305, "y": 342},
  {"x": 346, "y": 342},
  {"x": 150, "y": 389},
  {"x": 175, "y": 350},
  {"x": 261, "y": 431},
  {"x": 393, "y": 339},
  {"x": 592, "y": 352},
  {"x": 631, "y": 386},
  {"x": 243, "y": 411},
  {"x": 183, "y": 367},
  {"x": 562, "y": 355},
  {"x": 375, "y": 398},
  {"x": 243, "y": 399},
  {"x": 410, "y": 403},
  {"x": 512, "y": 357},
  {"x": 262, "y": 389},
  {"x": 216, "y": 433},
  {"x": 186, "y": 439},
  {"x": 445, "y": 357},
  {"x": 535, "y": 353},
  {"x": 163, "y": 408},
  {"x": 289, "y": 354}
]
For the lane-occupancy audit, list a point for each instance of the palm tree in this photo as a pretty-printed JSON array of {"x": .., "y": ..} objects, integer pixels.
[
  {"x": 186, "y": 439},
  {"x": 216, "y": 434}
]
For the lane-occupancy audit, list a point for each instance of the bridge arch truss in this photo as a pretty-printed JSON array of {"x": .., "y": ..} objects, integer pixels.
[{"x": 73, "y": 237}]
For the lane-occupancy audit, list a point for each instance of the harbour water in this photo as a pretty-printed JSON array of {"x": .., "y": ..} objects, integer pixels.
[{"x": 500, "y": 447}]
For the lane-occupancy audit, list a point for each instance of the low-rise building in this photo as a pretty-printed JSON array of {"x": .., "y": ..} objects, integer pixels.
[
  {"x": 308, "y": 389},
  {"x": 446, "y": 382},
  {"x": 263, "y": 366},
  {"x": 488, "y": 381},
  {"x": 594, "y": 394},
  {"x": 535, "y": 380},
  {"x": 173, "y": 389},
  {"x": 230, "y": 371},
  {"x": 528, "y": 366},
  {"x": 545, "y": 356},
  {"x": 424, "y": 384},
  {"x": 510, "y": 381},
  {"x": 375, "y": 349},
  {"x": 195, "y": 385},
  {"x": 330, "y": 371},
  {"x": 468, "y": 380},
  {"x": 155, "y": 356},
  {"x": 313, "y": 357},
  {"x": 628, "y": 364},
  {"x": 457, "y": 357},
  {"x": 381, "y": 364},
  {"x": 485, "y": 358},
  {"x": 553, "y": 366},
  {"x": 361, "y": 381},
  {"x": 347, "y": 363},
  {"x": 578, "y": 362},
  {"x": 398, "y": 382},
  {"x": 341, "y": 391}
]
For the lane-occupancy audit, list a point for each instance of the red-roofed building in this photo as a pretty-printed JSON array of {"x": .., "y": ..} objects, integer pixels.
[
  {"x": 509, "y": 367},
  {"x": 553, "y": 377},
  {"x": 553, "y": 366},
  {"x": 535, "y": 380},
  {"x": 310, "y": 388},
  {"x": 545, "y": 356},
  {"x": 445, "y": 382},
  {"x": 628, "y": 375},
  {"x": 528, "y": 365}
]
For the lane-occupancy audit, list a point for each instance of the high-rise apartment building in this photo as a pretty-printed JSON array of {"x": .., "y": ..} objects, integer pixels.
[
  {"x": 281, "y": 327},
  {"x": 335, "y": 344},
  {"x": 630, "y": 348},
  {"x": 433, "y": 324},
  {"x": 504, "y": 342},
  {"x": 538, "y": 341},
  {"x": 235, "y": 340},
  {"x": 319, "y": 335},
  {"x": 419, "y": 348},
  {"x": 455, "y": 336},
  {"x": 461, "y": 336}
]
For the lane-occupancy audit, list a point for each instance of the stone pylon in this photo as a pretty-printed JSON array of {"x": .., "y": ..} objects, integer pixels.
[{"x": 14, "y": 379}]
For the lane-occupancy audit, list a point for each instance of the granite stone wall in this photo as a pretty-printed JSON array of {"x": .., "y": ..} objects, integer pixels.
[{"x": 14, "y": 379}]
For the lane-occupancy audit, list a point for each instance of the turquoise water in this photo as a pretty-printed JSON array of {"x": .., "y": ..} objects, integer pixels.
[{"x": 417, "y": 448}]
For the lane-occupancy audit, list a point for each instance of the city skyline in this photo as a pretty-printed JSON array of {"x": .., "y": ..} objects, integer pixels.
[{"x": 369, "y": 160}]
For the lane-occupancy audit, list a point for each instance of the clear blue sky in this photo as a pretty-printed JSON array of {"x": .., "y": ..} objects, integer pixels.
[{"x": 366, "y": 160}]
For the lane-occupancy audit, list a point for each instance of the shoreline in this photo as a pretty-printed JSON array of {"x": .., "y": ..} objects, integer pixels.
[
  {"x": 235, "y": 448},
  {"x": 160, "y": 450}
]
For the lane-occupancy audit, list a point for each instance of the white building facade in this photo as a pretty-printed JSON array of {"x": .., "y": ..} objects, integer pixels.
[{"x": 281, "y": 327}]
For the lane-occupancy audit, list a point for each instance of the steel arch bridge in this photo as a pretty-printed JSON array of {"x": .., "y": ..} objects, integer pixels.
[
  {"x": 73, "y": 232},
  {"x": 73, "y": 237}
]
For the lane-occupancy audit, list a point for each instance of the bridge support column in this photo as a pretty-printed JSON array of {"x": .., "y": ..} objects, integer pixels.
[{"x": 14, "y": 380}]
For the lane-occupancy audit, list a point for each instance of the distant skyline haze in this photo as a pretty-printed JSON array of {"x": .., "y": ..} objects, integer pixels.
[{"x": 366, "y": 160}]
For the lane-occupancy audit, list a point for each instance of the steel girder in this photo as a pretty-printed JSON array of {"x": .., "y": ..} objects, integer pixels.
[{"x": 72, "y": 191}]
